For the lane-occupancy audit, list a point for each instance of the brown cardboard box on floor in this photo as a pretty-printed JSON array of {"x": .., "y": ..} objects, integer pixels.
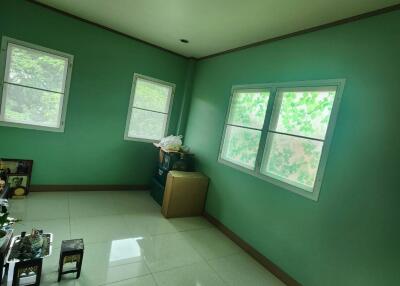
[{"x": 185, "y": 194}]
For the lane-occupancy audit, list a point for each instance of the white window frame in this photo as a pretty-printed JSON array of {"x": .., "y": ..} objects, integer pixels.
[
  {"x": 273, "y": 88},
  {"x": 137, "y": 76},
  {"x": 3, "y": 62}
]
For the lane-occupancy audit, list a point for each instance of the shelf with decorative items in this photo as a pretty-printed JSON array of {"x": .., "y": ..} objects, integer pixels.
[
  {"x": 6, "y": 233},
  {"x": 25, "y": 257},
  {"x": 15, "y": 177}
]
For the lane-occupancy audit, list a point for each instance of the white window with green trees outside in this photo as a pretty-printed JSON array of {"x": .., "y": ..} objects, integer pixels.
[
  {"x": 281, "y": 132},
  {"x": 34, "y": 86},
  {"x": 149, "y": 109}
]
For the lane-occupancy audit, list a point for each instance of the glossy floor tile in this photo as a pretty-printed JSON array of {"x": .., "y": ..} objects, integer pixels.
[
  {"x": 89, "y": 204},
  {"x": 44, "y": 206},
  {"x": 240, "y": 269},
  {"x": 196, "y": 274},
  {"x": 99, "y": 228},
  {"x": 147, "y": 280},
  {"x": 41, "y": 206},
  {"x": 128, "y": 242},
  {"x": 210, "y": 243},
  {"x": 148, "y": 224},
  {"x": 189, "y": 223},
  {"x": 168, "y": 251}
]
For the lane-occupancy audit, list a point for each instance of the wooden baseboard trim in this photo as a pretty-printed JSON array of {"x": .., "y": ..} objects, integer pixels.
[
  {"x": 264, "y": 261},
  {"x": 79, "y": 188}
]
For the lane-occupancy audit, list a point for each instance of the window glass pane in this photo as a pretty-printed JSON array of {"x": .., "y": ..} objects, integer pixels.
[
  {"x": 304, "y": 113},
  {"x": 292, "y": 159},
  {"x": 35, "y": 68},
  {"x": 248, "y": 109},
  {"x": 147, "y": 124},
  {"x": 31, "y": 106},
  {"x": 151, "y": 95},
  {"x": 241, "y": 146}
]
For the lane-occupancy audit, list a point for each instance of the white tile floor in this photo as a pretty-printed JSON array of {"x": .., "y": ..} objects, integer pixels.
[{"x": 129, "y": 243}]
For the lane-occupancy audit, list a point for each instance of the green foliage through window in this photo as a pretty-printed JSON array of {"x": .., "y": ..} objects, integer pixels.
[
  {"x": 37, "y": 69},
  {"x": 288, "y": 156},
  {"x": 245, "y": 121},
  {"x": 305, "y": 113},
  {"x": 149, "y": 110},
  {"x": 295, "y": 137},
  {"x": 34, "y": 86}
]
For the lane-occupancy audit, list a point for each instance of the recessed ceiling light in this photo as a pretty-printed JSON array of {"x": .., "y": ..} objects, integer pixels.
[{"x": 184, "y": 41}]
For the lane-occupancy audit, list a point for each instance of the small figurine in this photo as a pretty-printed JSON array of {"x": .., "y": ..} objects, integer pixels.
[
  {"x": 2, "y": 185},
  {"x": 36, "y": 240},
  {"x": 3, "y": 174}
]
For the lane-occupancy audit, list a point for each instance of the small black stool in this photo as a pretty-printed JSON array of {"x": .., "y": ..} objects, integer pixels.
[
  {"x": 71, "y": 252},
  {"x": 25, "y": 270}
]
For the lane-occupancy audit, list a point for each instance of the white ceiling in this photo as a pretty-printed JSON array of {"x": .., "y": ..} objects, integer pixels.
[{"x": 212, "y": 26}]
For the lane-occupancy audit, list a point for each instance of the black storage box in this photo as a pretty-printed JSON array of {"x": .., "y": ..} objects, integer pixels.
[
  {"x": 157, "y": 191},
  {"x": 161, "y": 175},
  {"x": 176, "y": 161}
]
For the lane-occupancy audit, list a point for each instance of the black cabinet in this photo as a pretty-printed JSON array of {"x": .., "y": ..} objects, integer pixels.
[
  {"x": 168, "y": 161},
  {"x": 157, "y": 191}
]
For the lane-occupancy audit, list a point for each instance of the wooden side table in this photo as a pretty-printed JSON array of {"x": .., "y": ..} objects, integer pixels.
[
  {"x": 27, "y": 272},
  {"x": 71, "y": 252}
]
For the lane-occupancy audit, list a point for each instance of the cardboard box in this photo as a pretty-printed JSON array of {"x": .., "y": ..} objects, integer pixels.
[{"x": 185, "y": 194}]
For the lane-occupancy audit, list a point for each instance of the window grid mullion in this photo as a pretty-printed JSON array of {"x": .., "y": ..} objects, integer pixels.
[
  {"x": 298, "y": 136},
  {"x": 264, "y": 130},
  {"x": 36, "y": 88},
  {"x": 145, "y": 109},
  {"x": 2, "y": 103},
  {"x": 242, "y": 126},
  {"x": 225, "y": 124}
]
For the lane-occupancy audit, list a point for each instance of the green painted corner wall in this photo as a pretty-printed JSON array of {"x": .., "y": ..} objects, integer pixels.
[
  {"x": 92, "y": 149},
  {"x": 351, "y": 235}
]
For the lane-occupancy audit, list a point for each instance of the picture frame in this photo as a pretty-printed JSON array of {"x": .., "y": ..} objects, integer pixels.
[
  {"x": 17, "y": 174},
  {"x": 16, "y": 166},
  {"x": 16, "y": 181}
]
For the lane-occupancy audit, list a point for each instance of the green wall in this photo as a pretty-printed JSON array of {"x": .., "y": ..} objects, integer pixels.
[
  {"x": 351, "y": 235},
  {"x": 92, "y": 149}
]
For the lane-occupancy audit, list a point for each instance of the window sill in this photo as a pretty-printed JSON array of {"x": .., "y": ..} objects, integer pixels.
[
  {"x": 143, "y": 140},
  {"x": 33, "y": 127},
  {"x": 309, "y": 195}
]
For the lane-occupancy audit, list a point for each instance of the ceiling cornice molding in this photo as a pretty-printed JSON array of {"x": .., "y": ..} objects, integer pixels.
[
  {"x": 309, "y": 30},
  {"x": 104, "y": 27},
  {"x": 259, "y": 43}
]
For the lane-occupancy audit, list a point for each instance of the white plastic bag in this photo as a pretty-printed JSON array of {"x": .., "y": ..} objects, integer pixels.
[{"x": 172, "y": 143}]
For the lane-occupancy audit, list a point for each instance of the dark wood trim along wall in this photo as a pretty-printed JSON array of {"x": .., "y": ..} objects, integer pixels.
[
  {"x": 78, "y": 188},
  {"x": 264, "y": 261}
]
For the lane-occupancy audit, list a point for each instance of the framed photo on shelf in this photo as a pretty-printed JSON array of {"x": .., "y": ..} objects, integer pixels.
[
  {"x": 16, "y": 166},
  {"x": 17, "y": 174},
  {"x": 15, "y": 181}
]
